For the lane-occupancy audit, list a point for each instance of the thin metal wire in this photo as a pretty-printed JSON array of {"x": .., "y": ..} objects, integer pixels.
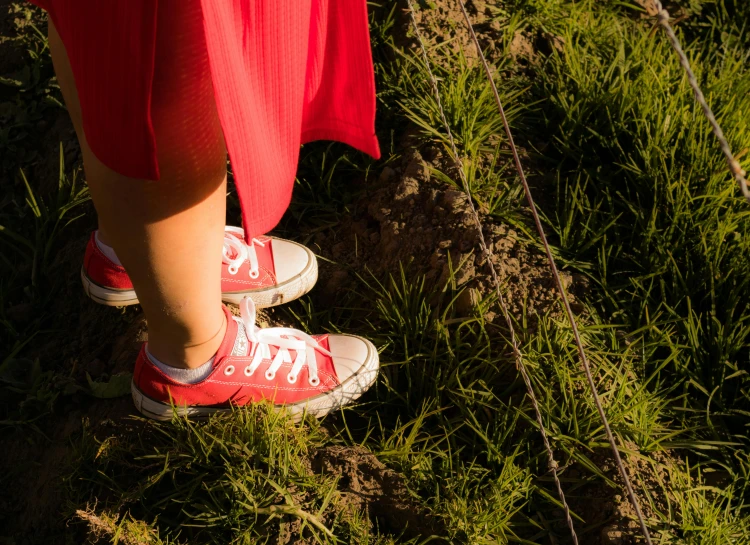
[
  {"x": 558, "y": 281},
  {"x": 662, "y": 16},
  {"x": 487, "y": 253}
]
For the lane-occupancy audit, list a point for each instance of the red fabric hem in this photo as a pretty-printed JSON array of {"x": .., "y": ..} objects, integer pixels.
[
  {"x": 364, "y": 143},
  {"x": 285, "y": 72}
]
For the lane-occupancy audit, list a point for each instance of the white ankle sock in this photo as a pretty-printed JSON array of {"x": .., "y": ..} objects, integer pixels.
[
  {"x": 107, "y": 250},
  {"x": 187, "y": 376}
]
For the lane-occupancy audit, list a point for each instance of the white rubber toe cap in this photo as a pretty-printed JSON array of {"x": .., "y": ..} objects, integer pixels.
[
  {"x": 350, "y": 354},
  {"x": 290, "y": 259}
]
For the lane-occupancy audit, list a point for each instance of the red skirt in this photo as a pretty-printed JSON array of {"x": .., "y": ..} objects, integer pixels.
[{"x": 284, "y": 72}]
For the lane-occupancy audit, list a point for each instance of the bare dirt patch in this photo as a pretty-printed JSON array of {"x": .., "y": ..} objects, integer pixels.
[
  {"x": 610, "y": 517},
  {"x": 366, "y": 485},
  {"x": 412, "y": 219}
]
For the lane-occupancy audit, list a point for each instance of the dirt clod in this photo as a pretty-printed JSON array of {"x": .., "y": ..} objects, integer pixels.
[
  {"x": 106, "y": 528},
  {"x": 414, "y": 220},
  {"x": 610, "y": 535},
  {"x": 367, "y": 485}
]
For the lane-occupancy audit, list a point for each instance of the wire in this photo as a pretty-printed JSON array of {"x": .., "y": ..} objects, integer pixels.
[
  {"x": 560, "y": 288},
  {"x": 662, "y": 16},
  {"x": 552, "y": 464}
]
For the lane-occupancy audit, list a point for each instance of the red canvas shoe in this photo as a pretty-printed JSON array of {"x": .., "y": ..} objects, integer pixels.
[
  {"x": 293, "y": 370},
  {"x": 270, "y": 270}
]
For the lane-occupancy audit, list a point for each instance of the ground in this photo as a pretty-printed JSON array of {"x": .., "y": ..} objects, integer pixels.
[{"x": 645, "y": 223}]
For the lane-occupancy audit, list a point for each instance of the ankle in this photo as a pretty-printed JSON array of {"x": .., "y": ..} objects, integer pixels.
[{"x": 178, "y": 353}]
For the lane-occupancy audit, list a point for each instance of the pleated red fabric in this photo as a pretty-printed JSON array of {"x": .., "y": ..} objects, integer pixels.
[{"x": 285, "y": 72}]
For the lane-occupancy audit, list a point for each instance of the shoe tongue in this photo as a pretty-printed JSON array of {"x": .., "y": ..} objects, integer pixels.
[
  {"x": 241, "y": 346},
  {"x": 325, "y": 363},
  {"x": 232, "y": 252}
]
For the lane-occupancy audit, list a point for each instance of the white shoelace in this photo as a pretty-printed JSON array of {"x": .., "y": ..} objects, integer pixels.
[
  {"x": 242, "y": 251},
  {"x": 283, "y": 338}
]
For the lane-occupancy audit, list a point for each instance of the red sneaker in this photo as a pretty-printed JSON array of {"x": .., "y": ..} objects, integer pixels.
[
  {"x": 285, "y": 366},
  {"x": 270, "y": 270}
]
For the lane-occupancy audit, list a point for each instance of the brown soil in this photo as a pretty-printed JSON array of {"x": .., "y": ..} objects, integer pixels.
[
  {"x": 366, "y": 485},
  {"x": 610, "y": 517},
  {"x": 32, "y": 500},
  {"x": 412, "y": 219},
  {"x": 105, "y": 528},
  {"x": 443, "y": 23}
]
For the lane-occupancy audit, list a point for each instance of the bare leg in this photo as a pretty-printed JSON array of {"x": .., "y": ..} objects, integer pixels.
[{"x": 168, "y": 233}]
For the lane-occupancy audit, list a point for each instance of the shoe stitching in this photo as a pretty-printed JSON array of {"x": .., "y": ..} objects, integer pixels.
[
  {"x": 328, "y": 376},
  {"x": 329, "y": 381},
  {"x": 258, "y": 283},
  {"x": 268, "y": 276},
  {"x": 263, "y": 387}
]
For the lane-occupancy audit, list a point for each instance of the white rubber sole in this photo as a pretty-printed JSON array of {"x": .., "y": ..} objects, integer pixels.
[
  {"x": 318, "y": 406},
  {"x": 287, "y": 291},
  {"x": 107, "y": 296}
]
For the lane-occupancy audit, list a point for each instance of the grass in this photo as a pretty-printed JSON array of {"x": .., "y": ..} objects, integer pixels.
[
  {"x": 637, "y": 200},
  {"x": 665, "y": 230},
  {"x": 219, "y": 481}
]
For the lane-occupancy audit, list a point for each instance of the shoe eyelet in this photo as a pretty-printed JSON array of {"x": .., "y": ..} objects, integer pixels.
[
  {"x": 314, "y": 381},
  {"x": 232, "y": 270},
  {"x": 291, "y": 379},
  {"x": 254, "y": 274},
  {"x": 270, "y": 375},
  {"x": 248, "y": 372},
  {"x": 228, "y": 370}
]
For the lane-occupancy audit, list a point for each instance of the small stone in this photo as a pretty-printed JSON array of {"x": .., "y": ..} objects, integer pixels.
[
  {"x": 406, "y": 189},
  {"x": 453, "y": 198},
  {"x": 466, "y": 273},
  {"x": 610, "y": 535}
]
